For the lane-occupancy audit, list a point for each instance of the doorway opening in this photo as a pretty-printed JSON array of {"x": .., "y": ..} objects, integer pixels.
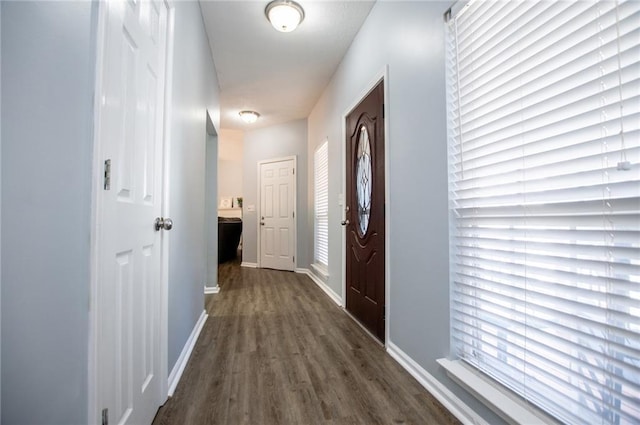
[
  {"x": 229, "y": 199},
  {"x": 211, "y": 210}
]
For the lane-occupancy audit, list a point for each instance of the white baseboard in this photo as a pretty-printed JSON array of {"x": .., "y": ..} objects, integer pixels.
[
  {"x": 250, "y": 265},
  {"x": 181, "y": 363},
  {"x": 211, "y": 289},
  {"x": 327, "y": 290},
  {"x": 449, "y": 400}
]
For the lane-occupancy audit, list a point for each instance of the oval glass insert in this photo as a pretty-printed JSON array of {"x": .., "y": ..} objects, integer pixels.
[{"x": 363, "y": 180}]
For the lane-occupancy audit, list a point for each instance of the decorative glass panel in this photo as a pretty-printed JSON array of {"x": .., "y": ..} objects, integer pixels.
[{"x": 363, "y": 180}]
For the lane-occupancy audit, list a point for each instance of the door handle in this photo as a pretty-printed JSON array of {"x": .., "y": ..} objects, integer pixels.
[
  {"x": 163, "y": 223},
  {"x": 345, "y": 222},
  {"x": 262, "y": 223}
]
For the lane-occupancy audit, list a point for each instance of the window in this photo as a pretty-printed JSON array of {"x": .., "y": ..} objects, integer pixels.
[
  {"x": 544, "y": 153},
  {"x": 321, "y": 189}
]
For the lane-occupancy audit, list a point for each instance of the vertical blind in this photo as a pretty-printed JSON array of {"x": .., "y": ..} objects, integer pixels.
[
  {"x": 321, "y": 186},
  {"x": 544, "y": 176}
]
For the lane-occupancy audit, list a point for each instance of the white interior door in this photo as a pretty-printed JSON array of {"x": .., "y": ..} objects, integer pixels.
[
  {"x": 129, "y": 247},
  {"x": 277, "y": 214}
]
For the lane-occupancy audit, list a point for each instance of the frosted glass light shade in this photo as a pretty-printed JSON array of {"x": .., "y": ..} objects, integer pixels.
[
  {"x": 249, "y": 116},
  {"x": 284, "y": 15}
]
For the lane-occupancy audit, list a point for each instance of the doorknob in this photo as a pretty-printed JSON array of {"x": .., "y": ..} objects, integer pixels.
[
  {"x": 345, "y": 222},
  {"x": 262, "y": 223},
  {"x": 163, "y": 223}
]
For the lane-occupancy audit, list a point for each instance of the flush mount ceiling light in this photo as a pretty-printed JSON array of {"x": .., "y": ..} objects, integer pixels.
[
  {"x": 249, "y": 116},
  {"x": 284, "y": 15}
]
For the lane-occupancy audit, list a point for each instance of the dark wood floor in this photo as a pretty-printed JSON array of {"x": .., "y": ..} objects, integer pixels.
[{"x": 277, "y": 350}]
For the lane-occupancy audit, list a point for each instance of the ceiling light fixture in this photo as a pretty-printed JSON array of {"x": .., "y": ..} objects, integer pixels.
[
  {"x": 249, "y": 116},
  {"x": 284, "y": 15}
]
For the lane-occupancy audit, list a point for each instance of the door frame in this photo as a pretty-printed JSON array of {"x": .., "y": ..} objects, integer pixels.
[
  {"x": 383, "y": 76},
  {"x": 295, "y": 207},
  {"x": 93, "y": 410}
]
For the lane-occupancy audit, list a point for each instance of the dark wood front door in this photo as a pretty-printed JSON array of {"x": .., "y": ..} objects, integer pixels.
[{"x": 365, "y": 212}]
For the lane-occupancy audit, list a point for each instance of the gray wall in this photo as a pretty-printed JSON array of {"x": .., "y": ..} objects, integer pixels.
[
  {"x": 48, "y": 57},
  {"x": 275, "y": 142},
  {"x": 409, "y": 37},
  {"x": 195, "y": 90},
  {"x": 0, "y": 216}
]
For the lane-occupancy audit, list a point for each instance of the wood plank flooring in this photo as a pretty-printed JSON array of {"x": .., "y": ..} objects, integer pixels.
[{"x": 276, "y": 350}]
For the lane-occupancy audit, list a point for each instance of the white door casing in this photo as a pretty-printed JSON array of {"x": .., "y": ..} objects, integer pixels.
[
  {"x": 276, "y": 217},
  {"x": 128, "y": 251}
]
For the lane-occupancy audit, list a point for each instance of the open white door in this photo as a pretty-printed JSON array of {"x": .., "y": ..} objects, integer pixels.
[
  {"x": 128, "y": 387},
  {"x": 277, "y": 228}
]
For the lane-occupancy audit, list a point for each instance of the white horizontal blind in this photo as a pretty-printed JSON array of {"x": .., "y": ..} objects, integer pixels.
[
  {"x": 321, "y": 185},
  {"x": 544, "y": 153}
]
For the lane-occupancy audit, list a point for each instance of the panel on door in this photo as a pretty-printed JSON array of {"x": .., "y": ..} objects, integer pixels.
[
  {"x": 130, "y": 137},
  {"x": 277, "y": 215},
  {"x": 365, "y": 203}
]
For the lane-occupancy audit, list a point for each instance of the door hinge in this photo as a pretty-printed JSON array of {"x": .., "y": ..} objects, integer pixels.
[
  {"x": 105, "y": 416},
  {"x": 294, "y": 170},
  {"x": 294, "y": 214},
  {"x": 107, "y": 174},
  {"x": 384, "y": 313},
  {"x": 383, "y": 111},
  {"x": 294, "y": 258}
]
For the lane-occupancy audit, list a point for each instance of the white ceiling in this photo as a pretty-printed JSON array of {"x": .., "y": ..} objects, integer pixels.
[{"x": 279, "y": 75}]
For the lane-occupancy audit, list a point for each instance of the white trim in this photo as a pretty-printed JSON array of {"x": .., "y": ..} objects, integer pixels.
[
  {"x": 320, "y": 271},
  {"x": 449, "y": 400},
  {"x": 327, "y": 290},
  {"x": 293, "y": 158},
  {"x": 164, "y": 272},
  {"x": 211, "y": 289},
  {"x": 382, "y": 75},
  {"x": 96, "y": 219},
  {"x": 493, "y": 395},
  {"x": 249, "y": 265},
  {"x": 183, "y": 359}
]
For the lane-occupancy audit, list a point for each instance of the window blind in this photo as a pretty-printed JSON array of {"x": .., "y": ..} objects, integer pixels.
[
  {"x": 321, "y": 186},
  {"x": 544, "y": 177}
]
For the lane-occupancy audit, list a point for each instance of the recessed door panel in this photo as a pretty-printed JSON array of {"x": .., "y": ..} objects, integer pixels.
[
  {"x": 147, "y": 301},
  {"x": 124, "y": 178},
  {"x": 269, "y": 242},
  {"x": 123, "y": 390},
  {"x": 283, "y": 198},
  {"x": 268, "y": 201},
  {"x": 284, "y": 242},
  {"x": 148, "y": 127}
]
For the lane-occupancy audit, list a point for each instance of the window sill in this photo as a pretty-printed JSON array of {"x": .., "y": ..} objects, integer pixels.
[
  {"x": 321, "y": 271},
  {"x": 501, "y": 400}
]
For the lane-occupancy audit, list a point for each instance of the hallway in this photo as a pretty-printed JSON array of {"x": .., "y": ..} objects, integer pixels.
[{"x": 276, "y": 350}]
